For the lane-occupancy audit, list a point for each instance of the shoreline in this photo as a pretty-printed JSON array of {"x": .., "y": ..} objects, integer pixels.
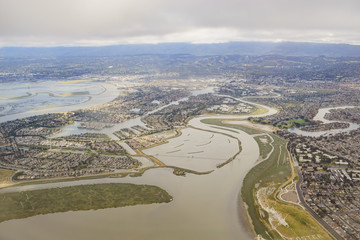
[
  {"x": 244, "y": 217},
  {"x": 109, "y": 90},
  {"x": 240, "y": 206}
]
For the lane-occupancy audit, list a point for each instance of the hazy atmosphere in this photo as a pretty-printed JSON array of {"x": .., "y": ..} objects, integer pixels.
[
  {"x": 106, "y": 22},
  {"x": 179, "y": 119}
]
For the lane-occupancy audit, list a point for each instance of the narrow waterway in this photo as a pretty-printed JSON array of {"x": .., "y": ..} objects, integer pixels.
[
  {"x": 204, "y": 206},
  {"x": 74, "y": 128},
  {"x": 320, "y": 116}
]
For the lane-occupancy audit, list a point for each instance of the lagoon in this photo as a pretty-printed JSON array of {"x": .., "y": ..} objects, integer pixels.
[
  {"x": 20, "y": 100},
  {"x": 204, "y": 206}
]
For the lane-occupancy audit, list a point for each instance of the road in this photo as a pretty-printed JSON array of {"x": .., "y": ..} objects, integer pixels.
[{"x": 312, "y": 212}]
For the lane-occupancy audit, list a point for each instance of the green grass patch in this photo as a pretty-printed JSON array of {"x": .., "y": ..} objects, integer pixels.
[
  {"x": 293, "y": 123},
  {"x": 83, "y": 197},
  {"x": 301, "y": 224}
]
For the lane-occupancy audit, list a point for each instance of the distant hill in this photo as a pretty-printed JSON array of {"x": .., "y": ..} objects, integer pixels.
[{"x": 232, "y": 48}]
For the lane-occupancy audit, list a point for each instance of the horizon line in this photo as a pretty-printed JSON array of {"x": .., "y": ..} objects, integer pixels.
[{"x": 159, "y": 43}]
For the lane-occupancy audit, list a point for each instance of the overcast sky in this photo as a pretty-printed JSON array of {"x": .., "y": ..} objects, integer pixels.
[{"x": 104, "y": 22}]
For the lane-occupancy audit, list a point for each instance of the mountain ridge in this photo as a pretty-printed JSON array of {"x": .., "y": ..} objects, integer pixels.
[{"x": 230, "y": 48}]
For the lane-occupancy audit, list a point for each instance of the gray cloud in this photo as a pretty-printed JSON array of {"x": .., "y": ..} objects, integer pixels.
[{"x": 93, "y": 22}]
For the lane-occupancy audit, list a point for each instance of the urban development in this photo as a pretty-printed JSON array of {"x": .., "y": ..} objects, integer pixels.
[{"x": 305, "y": 183}]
